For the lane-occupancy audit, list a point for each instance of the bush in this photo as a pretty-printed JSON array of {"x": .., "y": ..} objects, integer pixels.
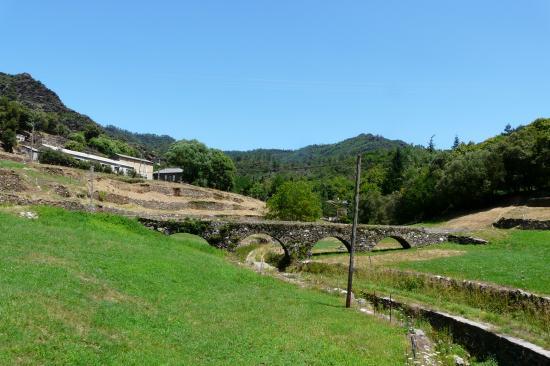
[
  {"x": 110, "y": 147},
  {"x": 74, "y": 145},
  {"x": 101, "y": 196},
  {"x": 78, "y": 137},
  {"x": 54, "y": 157}
]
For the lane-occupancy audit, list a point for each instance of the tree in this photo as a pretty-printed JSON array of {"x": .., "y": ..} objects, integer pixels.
[
  {"x": 431, "y": 144},
  {"x": 221, "y": 171},
  {"x": 201, "y": 165},
  {"x": 8, "y": 139},
  {"x": 394, "y": 178},
  {"x": 508, "y": 129},
  {"x": 456, "y": 143},
  {"x": 295, "y": 201},
  {"x": 92, "y": 131},
  {"x": 191, "y": 156},
  {"x": 258, "y": 191}
]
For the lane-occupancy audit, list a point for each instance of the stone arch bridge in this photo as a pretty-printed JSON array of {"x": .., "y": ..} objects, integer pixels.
[{"x": 298, "y": 238}]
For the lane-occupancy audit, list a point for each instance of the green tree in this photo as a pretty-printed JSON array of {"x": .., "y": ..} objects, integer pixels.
[
  {"x": 221, "y": 171},
  {"x": 8, "y": 140},
  {"x": 92, "y": 131},
  {"x": 431, "y": 144},
  {"x": 258, "y": 191},
  {"x": 456, "y": 143},
  {"x": 508, "y": 129},
  {"x": 295, "y": 201},
  {"x": 191, "y": 156},
  {"x": 201, "y": 165},
  {"x": 394, "y": 178}
]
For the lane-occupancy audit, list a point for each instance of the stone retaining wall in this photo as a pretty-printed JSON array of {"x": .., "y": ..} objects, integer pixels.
[
  {"x": 476, "y": 337},
  {"x": 512, "y": 297}
]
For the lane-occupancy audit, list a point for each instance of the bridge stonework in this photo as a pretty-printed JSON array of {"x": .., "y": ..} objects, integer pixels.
[{"x": 296, "y": 238}]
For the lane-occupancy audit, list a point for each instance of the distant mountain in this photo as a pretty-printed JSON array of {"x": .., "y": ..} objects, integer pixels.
[
  {"x": 35, "y": 96},
  {"x": 310, "y": 158},
  {"x": 157, "y": 144}
]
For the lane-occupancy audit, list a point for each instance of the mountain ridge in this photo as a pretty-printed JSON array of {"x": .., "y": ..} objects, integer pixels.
[{"x": 35, "y": 95}]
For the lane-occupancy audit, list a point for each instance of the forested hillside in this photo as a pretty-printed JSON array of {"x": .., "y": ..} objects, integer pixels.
[
  {"x": 26, "y": 101},
  {"x": 156, "y": 144},
  {"x": 256, "y": 162},
  {"x": 403, "y": 183}
]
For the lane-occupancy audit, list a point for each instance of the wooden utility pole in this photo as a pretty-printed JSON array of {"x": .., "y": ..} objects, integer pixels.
[
  {"x": 354, "y": 231},
  {"x": 92, "y": 188}
]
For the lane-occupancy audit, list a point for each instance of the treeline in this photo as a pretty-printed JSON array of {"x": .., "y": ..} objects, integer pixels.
[
  {"x": 153, "y": 145},
  {"x": 17, "y": 118},
  {"x": 410, "y": 184}
]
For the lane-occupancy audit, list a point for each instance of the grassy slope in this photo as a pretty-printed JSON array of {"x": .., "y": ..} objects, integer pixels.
[
  {"x": 514, "y": 258},
  {"x": 94, "y": 289},
  {"x": 519, "y": 260}
]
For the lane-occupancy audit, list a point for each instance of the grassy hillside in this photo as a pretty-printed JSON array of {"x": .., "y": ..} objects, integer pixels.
[
  {"x": 77, "y": 288},
  {"x": 519, "y": 260},
  {"x": 514, "y": 258}
]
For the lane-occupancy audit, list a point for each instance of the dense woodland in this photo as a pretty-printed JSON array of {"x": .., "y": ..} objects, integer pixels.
[
  {"x": 405, "y": 184},
  {"x": 401, "y": 183}
]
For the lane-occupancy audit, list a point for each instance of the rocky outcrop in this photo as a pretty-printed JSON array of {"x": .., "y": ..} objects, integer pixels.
[
  {"x": 11, "y": 181},
  {"x": 524, "y": 224},
  {"x": 462, "y": 239},
  {"x": 36, "y": 96}
]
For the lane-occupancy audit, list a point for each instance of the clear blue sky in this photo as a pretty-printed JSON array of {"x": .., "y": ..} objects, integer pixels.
[{"x": 288, "y": 73}]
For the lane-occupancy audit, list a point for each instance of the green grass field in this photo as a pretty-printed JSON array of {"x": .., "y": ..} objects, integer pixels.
[
  {"x": 520, "y": 259},
  {"x": 86, "y": 289},
  {"x": 516, "y": 258}
]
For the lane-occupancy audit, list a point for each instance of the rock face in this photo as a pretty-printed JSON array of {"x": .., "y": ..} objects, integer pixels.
[
  {"x": 31, "y": 92},
  {"x": 296, "y": 238},
  {"x": 35, "y": 95}
]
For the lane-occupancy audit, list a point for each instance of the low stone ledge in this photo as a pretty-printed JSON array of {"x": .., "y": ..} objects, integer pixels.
[
  {"x": 513, "y": 296},
  {"x": 476, "y": 337},
  {"x": 524, "y": 224},
  {"x": 464, "y": 239}
]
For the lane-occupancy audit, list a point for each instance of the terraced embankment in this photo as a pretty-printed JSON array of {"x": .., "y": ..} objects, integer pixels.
[{"x": 27, "y": 183}]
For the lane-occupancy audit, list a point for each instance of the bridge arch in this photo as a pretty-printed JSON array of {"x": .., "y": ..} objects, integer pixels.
[
  {"x": 403, "y": 243},
  {"x": 267, "y": 241},
  {"x": 330, "y": 244}
]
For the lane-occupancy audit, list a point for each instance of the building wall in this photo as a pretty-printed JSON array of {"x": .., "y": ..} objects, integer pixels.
[
  {"x": 143, "y": 169},
  {"x": 169, "y": 177}
]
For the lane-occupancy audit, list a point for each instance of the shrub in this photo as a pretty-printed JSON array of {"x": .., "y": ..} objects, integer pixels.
[
  {"x": 54, "y": 157},
  {"x": 101, "y": 196},
  {"x": 78, "y": 137},
  {"x": 74, "y": 145}
]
